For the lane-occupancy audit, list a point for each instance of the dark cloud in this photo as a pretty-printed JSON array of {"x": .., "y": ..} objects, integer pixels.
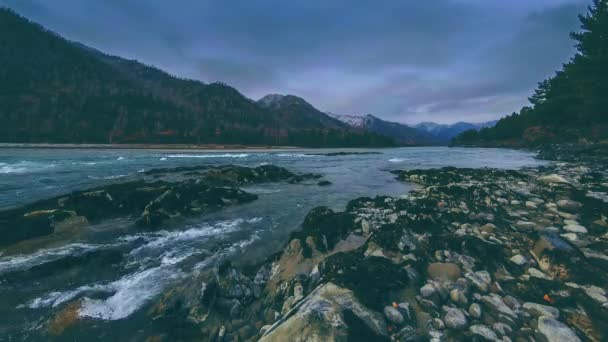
[{"x": 441, "y": 60}]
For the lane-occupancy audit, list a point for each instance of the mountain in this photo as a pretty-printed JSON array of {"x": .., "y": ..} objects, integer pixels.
[
  {"x": 297, "y": 112},
  {"x": 403, "y": 134},
  {"x": 446, "y": 133},
  {"x": 56, "y": 91}
]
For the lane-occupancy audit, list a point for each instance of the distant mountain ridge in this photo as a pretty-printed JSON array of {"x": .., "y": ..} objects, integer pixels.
[
  {"x": 56, "y": 91},
  {"x": 446, "y": 132},
  {"x": 403, "y": 134}
]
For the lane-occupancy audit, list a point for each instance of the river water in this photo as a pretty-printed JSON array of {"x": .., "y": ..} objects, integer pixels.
[{"x": 116, "y": 271}]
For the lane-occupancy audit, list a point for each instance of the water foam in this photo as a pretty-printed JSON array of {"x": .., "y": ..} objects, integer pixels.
[
  {"x": 24, "y": 166},
  {"x": 26, "y": 261},
  {"x": 211, "y": 155},
  {"x": 396, "y": 160}
]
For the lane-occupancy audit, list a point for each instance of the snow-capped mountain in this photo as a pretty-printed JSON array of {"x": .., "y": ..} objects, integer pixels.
[{"x": 402, "y": 133}]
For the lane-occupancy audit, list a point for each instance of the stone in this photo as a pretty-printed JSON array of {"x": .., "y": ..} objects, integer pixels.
[
  {"x": 494, "y": 303},
  {"x": 480, "y": 279},
  {"x": 318, "y": 318},
  {"x": 531, "y": 205},
  {"x": 488, "y": 228},
  {"x": 483, "y": 332},
  {"x": 569, "y": 205},
  {"x": 552, "y": 330},
  {"x": 553, "y": 179},
  {"x": 454, "y": 318},
  {"x": 458, "y": 296},
  {"x": 538, "y": 310},
  {"x": 502, "y": 329},
  {"x": 443, "y": 271},
  {"x": 519, "y": 260},
  {"x": 533, "y": 272},
  {"x": 427, "y": 290},
  {"x": 438, "y": 324},
  {"x": 393, "y": 315},
  {"x": 525, "y": 225},
  {"x": 575, "y": 228},
  {"x": 475, "y": 310}
]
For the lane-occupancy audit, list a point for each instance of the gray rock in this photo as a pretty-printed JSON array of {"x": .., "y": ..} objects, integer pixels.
[
  {"x": 458, "y": 296},
  {"x": 525, "y": 225},
  {"x": 538, "y": 310},
  {"x": 494, "y": 304},
  {"x": 551, "y": 330},
  {"x": 502, "y": 329},
  {"x": 454, "y": 318},
  {"x": 483, "y": 332},
  {"x": 480, "y": 279},
  {"x": 475, "y": 310},
  {"x": 393, "y": 315},
  {"x": 438, "y": 324},
  {"x": 444, "y": 271},
  {"x": 553, "y": 179},
  {"x": 519, "y": 260},
  {"x": 575, "y": 228},
  {"x": 568, "y": 205},
  {"x": 427, "y": 290}
]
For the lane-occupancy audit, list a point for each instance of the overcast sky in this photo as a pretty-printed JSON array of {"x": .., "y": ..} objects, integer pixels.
[{"x": 402, "y": 60}]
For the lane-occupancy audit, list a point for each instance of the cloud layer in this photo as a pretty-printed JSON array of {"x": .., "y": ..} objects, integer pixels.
[{"x": 407, "y": 61}]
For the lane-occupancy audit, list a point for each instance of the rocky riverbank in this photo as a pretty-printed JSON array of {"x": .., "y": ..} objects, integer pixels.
[
  {"x": 472, "y": 254},
  {"x": 152, "y": 198}
]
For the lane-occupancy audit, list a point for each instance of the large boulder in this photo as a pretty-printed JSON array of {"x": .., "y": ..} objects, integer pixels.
[{"x": 328, "y": 313}]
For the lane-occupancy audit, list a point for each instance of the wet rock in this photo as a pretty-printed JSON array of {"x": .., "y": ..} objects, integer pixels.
[
  {"x": 569, "y": 205},
  {"x": 475, "y": 310},
  {"x": 575, "y": 228},
  {"x": 444, "y": 271},
  {"x": 483, "y": 332},
  {"x": 328, "y": 313},
  {"x": 551, "y": 330},
  {"x": 454, "y": 318},
  {"x": 525, "y": 225},
  {"x": 428, "y": 290},
  {"x": 538, "y": 310},
  {"x": 553, "y": 179},
  {"x": 495, "y": 305},
  {"x": 324, "y": 183},
  {"x": 519, "y": 260},
  {"x": 480, "y": 279},
  {"x": 393, "y": 315},
  {"x": 502, "y": 329}
]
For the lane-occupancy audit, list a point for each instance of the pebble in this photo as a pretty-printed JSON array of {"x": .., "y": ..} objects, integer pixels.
[
  {"x": 393, "y": 315},
  {"x": 475, "y": 310},
  {"x": 481, "y": 280},
  {"x": 519, "y": 260},
  {"x": 575, "y": 228},
  {"x": 483, "y": 331},
  {"x": 427, "y": 290},
  {"x": 444, "y": 271},
  {"x": 454, "y": 318},
  {"x": 553, "y": 179},
  {"x": 538, "y": 310},
  {"x": 494, "y": 303},
  {"x": 553, "y": 330}
]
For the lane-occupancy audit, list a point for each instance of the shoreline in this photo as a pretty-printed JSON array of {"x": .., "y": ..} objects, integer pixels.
[{"x": 186, "y": 147}]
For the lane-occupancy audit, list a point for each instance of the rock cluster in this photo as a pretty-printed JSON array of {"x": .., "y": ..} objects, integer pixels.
[
  {"x": 181, "y": 192},
  {"x": 472, "y": 254}
]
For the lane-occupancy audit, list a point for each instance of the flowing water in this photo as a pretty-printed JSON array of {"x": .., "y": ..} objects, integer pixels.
[{"x": 116, "y": 270}]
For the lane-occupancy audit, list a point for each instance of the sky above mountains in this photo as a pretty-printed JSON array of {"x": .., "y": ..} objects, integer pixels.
[{"x": 406, "y": 61}]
